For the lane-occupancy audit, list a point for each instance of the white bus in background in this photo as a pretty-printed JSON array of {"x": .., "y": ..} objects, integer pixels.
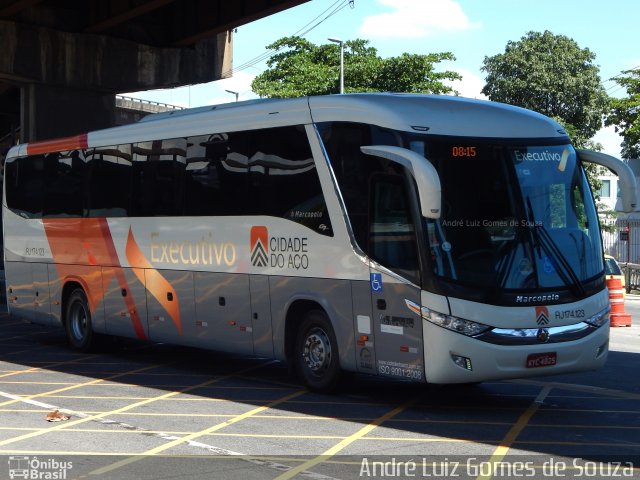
[{"x": 423, "y": 238}]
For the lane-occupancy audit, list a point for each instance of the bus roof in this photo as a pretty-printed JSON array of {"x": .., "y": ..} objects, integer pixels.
[{"x": 433, "y": 114}]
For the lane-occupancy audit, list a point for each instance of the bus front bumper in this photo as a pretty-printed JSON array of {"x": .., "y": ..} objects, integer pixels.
[{"x": 451, "y": 357}]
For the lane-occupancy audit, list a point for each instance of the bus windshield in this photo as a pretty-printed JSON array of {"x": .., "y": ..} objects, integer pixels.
[{"x": 514, "y": 217}]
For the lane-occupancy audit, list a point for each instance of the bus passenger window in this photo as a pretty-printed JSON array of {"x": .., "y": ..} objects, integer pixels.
[
  {"x": 25, "y": 185},
  {"x": 282, "y": 169},
  {"x": 110, "y": 180},
  {"x": 64, "y": 180}
]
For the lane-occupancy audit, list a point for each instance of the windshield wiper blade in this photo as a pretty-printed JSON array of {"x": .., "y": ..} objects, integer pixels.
[
  {"x": 555, "y": 252},
  {"x": 544, "y": 239}
]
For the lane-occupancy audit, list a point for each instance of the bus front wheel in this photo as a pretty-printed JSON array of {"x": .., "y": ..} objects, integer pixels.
[
  {"x": 78, "y": 322},
  {"x": 316, "y": 352}
]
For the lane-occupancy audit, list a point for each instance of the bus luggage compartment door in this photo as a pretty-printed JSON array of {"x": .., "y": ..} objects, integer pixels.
[
  {"x": 28, "y": 291},
  {"x": 170, "y": 307},
  {"x": 397, "y": 328},
  {"x": 223, "y": 310},
  {"x": 125, "y": 302}
]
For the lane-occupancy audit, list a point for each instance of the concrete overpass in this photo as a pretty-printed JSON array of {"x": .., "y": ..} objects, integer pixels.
[{"x": 62, "y": 61}]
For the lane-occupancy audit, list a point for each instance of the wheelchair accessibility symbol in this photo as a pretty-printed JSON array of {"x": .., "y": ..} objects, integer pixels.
[{"x": 376, "y": 282}]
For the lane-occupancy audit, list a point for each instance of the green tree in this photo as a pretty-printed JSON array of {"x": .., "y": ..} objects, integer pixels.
[
  {"x": 625, "y": 113},
  {"x": 301, "y": 68},
  {"x": 552, "y": 75}
]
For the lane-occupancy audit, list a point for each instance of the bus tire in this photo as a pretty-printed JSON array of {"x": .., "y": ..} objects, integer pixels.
[
  {"x": 316, "y": 353},
  {"x": 78, "y": 325}
]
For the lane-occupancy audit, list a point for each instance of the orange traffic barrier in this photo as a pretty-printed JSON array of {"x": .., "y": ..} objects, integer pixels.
[{"x": 616, "y": 298}]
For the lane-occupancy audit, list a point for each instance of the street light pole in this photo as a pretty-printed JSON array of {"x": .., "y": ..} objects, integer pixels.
[
  {"x": 234, "y": 93},
  {"x": 341, "y": 43}
]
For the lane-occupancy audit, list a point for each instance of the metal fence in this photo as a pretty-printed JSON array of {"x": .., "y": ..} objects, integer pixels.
[{"x": 623, "y": 243}]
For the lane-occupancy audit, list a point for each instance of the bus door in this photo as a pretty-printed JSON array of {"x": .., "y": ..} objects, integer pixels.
[{"x": 394, "y": 279}]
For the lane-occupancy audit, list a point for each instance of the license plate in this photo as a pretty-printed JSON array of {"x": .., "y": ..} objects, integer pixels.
[{"x": 536, "y": 360}]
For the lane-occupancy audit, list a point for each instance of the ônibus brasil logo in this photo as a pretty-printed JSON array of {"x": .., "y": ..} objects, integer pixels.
[{"x": 259, "y": 246}]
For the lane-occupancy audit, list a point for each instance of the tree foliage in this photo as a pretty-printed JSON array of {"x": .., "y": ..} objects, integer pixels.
[
  {"x": 301, "y": 68},
  {"x": 625, "y": 113},
  {"x": 552, "y": 75}
]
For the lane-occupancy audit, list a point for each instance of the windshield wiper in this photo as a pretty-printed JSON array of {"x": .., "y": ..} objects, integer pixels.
[{"x": 544, "y": 239}]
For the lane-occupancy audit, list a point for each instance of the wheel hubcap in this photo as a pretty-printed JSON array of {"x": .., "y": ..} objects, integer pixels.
[{"x": 317, "y": 351}]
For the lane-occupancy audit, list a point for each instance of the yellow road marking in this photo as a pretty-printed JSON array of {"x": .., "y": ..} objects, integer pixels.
[
  {"x": 85, "y": 384},
  {"x": 347, "y": 441},
  {"x": 49, "y": 365},
  {"x": 195, "y": 435},
  {"x": 36, "y": 383},
  {"x": 500, "y": 452},
  {"x": 72, "y": 423},
  {"x": 600, "y": 392}
]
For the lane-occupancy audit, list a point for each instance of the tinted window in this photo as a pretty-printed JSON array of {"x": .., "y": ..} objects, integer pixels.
[
  {"x": 353, "y": 169},
  {"x": 611, "y": 267},
  {"x": 261, "y": 172},
  {"x": 375, "y": 194},
  {"x": 283, "y": 178},
  {"x": 25, "y": 186},
  {"x": 392, "y": 235},
  {"x": 109, "y": 170},
  {"x": 216, "y": 175},
  {"x": 64, "y": 180},
  {"x": 157, "y": 178}
]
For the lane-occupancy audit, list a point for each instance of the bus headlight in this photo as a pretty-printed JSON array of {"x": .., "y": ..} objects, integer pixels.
[
  {"x": 599, "y": 318},
  {"x": 459, "y": 325},
  {"x": 456, "y": 324}
]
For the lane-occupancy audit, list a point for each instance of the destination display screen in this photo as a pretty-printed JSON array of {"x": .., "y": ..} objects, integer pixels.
[{"x": 463, "y": 151}]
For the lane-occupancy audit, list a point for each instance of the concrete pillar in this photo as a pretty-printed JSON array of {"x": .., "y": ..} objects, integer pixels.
[{"x": 53, "y": 111}]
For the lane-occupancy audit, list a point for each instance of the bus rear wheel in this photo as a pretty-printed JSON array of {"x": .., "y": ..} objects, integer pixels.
[
  {"x": 316, "y": 353},
  {"x": 78, "y": 324}
]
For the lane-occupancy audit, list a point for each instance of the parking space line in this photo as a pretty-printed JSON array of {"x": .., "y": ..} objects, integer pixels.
[
  {"x": 599, "y": 392},
  {"x": 501, "y": 451},
  {"x": 35, "y": 383},
  {"x": 86, "y": 384},
  {"x": 62, "y": 426},
  {"x": 46, "y": 365},
  {"x": 348, "y": 440},
  {"x": 201, "y": 433}
]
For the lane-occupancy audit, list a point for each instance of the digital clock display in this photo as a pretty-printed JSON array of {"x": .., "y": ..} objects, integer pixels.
[{"x": 463, "y": 151}]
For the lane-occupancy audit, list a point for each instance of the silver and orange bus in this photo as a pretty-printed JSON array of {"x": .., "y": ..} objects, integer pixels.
[{"x": 425, "y": 238}]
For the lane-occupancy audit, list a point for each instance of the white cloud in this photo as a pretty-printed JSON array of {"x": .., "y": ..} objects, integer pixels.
[
  {"x": 416, "y": 19},
  {"x": 470, "y": 86}
]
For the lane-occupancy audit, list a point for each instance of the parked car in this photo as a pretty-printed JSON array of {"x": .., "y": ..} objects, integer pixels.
[{"x": 612, "y": 270}]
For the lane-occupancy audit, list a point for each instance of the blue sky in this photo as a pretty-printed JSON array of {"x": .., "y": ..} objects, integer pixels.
[{"x": 470, "y": 29}]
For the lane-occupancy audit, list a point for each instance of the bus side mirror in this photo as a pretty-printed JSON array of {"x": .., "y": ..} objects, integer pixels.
[{"x": 423, "y": 172}]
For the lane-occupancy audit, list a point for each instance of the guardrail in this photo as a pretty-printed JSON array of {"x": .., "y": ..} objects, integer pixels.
[
  {"x": 144, "y": 105},
  {"x": 632, "y": 276}
]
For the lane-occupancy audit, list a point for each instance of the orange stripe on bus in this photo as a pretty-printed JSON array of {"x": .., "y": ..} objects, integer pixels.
[
  {"x": 78, "y": 243},
  {"x": 58, "y": 144}
]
